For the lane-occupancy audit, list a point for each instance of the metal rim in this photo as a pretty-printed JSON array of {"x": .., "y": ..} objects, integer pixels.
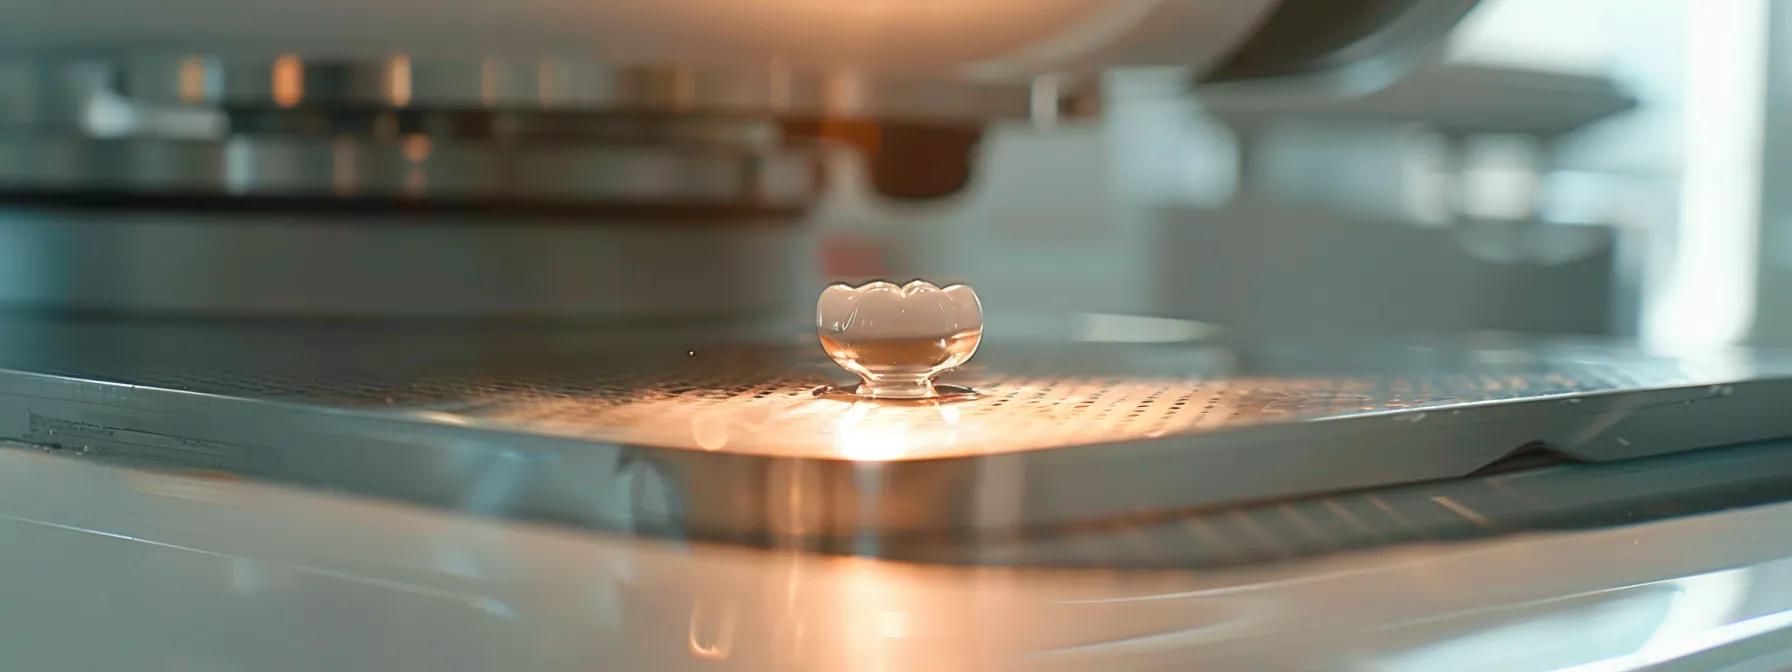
[
  {"x": 547, "y": 83},
  {"x": 414, "y": 168}
]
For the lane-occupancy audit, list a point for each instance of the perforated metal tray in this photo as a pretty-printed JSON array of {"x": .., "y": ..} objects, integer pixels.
[{"x": 696, "y": 432}]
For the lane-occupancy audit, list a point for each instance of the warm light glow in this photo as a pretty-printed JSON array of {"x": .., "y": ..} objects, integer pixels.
[
  {"x": 288, "y": 81},
  {"x": 191, "y": 83},
  {"x": 949, "y": 414},
  {"x": 398, "y": 80},
  {"x": 711, "y": 632},
  {"x": 872, "y": 431},
  {"x": 416, "y": 147},
  {"x": 858, "y": 439},
  {"x": 1010, "y": 414},
  {"x": 844, "y": 92},
  {"x": 710, "y": 431},
  {"x": 876, "y": 615}
]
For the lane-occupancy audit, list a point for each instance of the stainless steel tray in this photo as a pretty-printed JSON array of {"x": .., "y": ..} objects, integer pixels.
[{"x": 689, "y": 432}]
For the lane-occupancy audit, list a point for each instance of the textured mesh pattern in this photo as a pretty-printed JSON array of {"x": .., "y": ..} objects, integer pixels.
[{"x": 761, "y": 399}]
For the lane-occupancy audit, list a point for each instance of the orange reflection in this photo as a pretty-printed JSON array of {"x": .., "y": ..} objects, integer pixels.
[
  {"x": 191, "y": 80},
  {"x": 874, "y": 431},
  {"x": 288, "y": 81},
  {"x": 856, "y": 439},
  {"x": 416, "y": 147},
  {"x": 711, "y": 635},
  {"x": 398, "y": 81},
  {"x": 710, "y": 431},
  {"x": 1010, "y": 414}
]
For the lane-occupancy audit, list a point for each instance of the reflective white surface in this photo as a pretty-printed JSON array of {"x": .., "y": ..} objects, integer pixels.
[{"x": 107, "y": 568}]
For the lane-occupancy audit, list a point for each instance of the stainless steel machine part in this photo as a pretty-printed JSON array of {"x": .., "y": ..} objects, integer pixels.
[
  {"x": 679, "y": 434},
  {"x": 249, "y": 131},
  {"x": 1353, "y": 46},
  {"x": 377, "y": 211},
  {"x": 253, "y": 187},
  {"x": 541, "y": 118},
  {"x": 404, "y": 263},
  {"x": 720, "y": 183},
  {"x": 554, "y": 83}
]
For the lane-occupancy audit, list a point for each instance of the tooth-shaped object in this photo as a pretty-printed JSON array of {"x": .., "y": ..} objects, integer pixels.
[{"x": 898, "y": 338}]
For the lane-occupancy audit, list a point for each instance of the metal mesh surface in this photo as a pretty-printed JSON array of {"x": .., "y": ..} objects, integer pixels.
[
  {"x": 760, "y": 398},
  {"x": 1155, "y": 484}
]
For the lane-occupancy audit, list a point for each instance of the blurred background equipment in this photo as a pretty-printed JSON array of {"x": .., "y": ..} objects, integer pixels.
[
  {"x": 478, "y": 334},
  {"x": 540, "y": 162}
]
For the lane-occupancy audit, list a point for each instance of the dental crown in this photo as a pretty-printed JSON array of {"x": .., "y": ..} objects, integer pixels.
[{"x": 897, "y": 339}]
